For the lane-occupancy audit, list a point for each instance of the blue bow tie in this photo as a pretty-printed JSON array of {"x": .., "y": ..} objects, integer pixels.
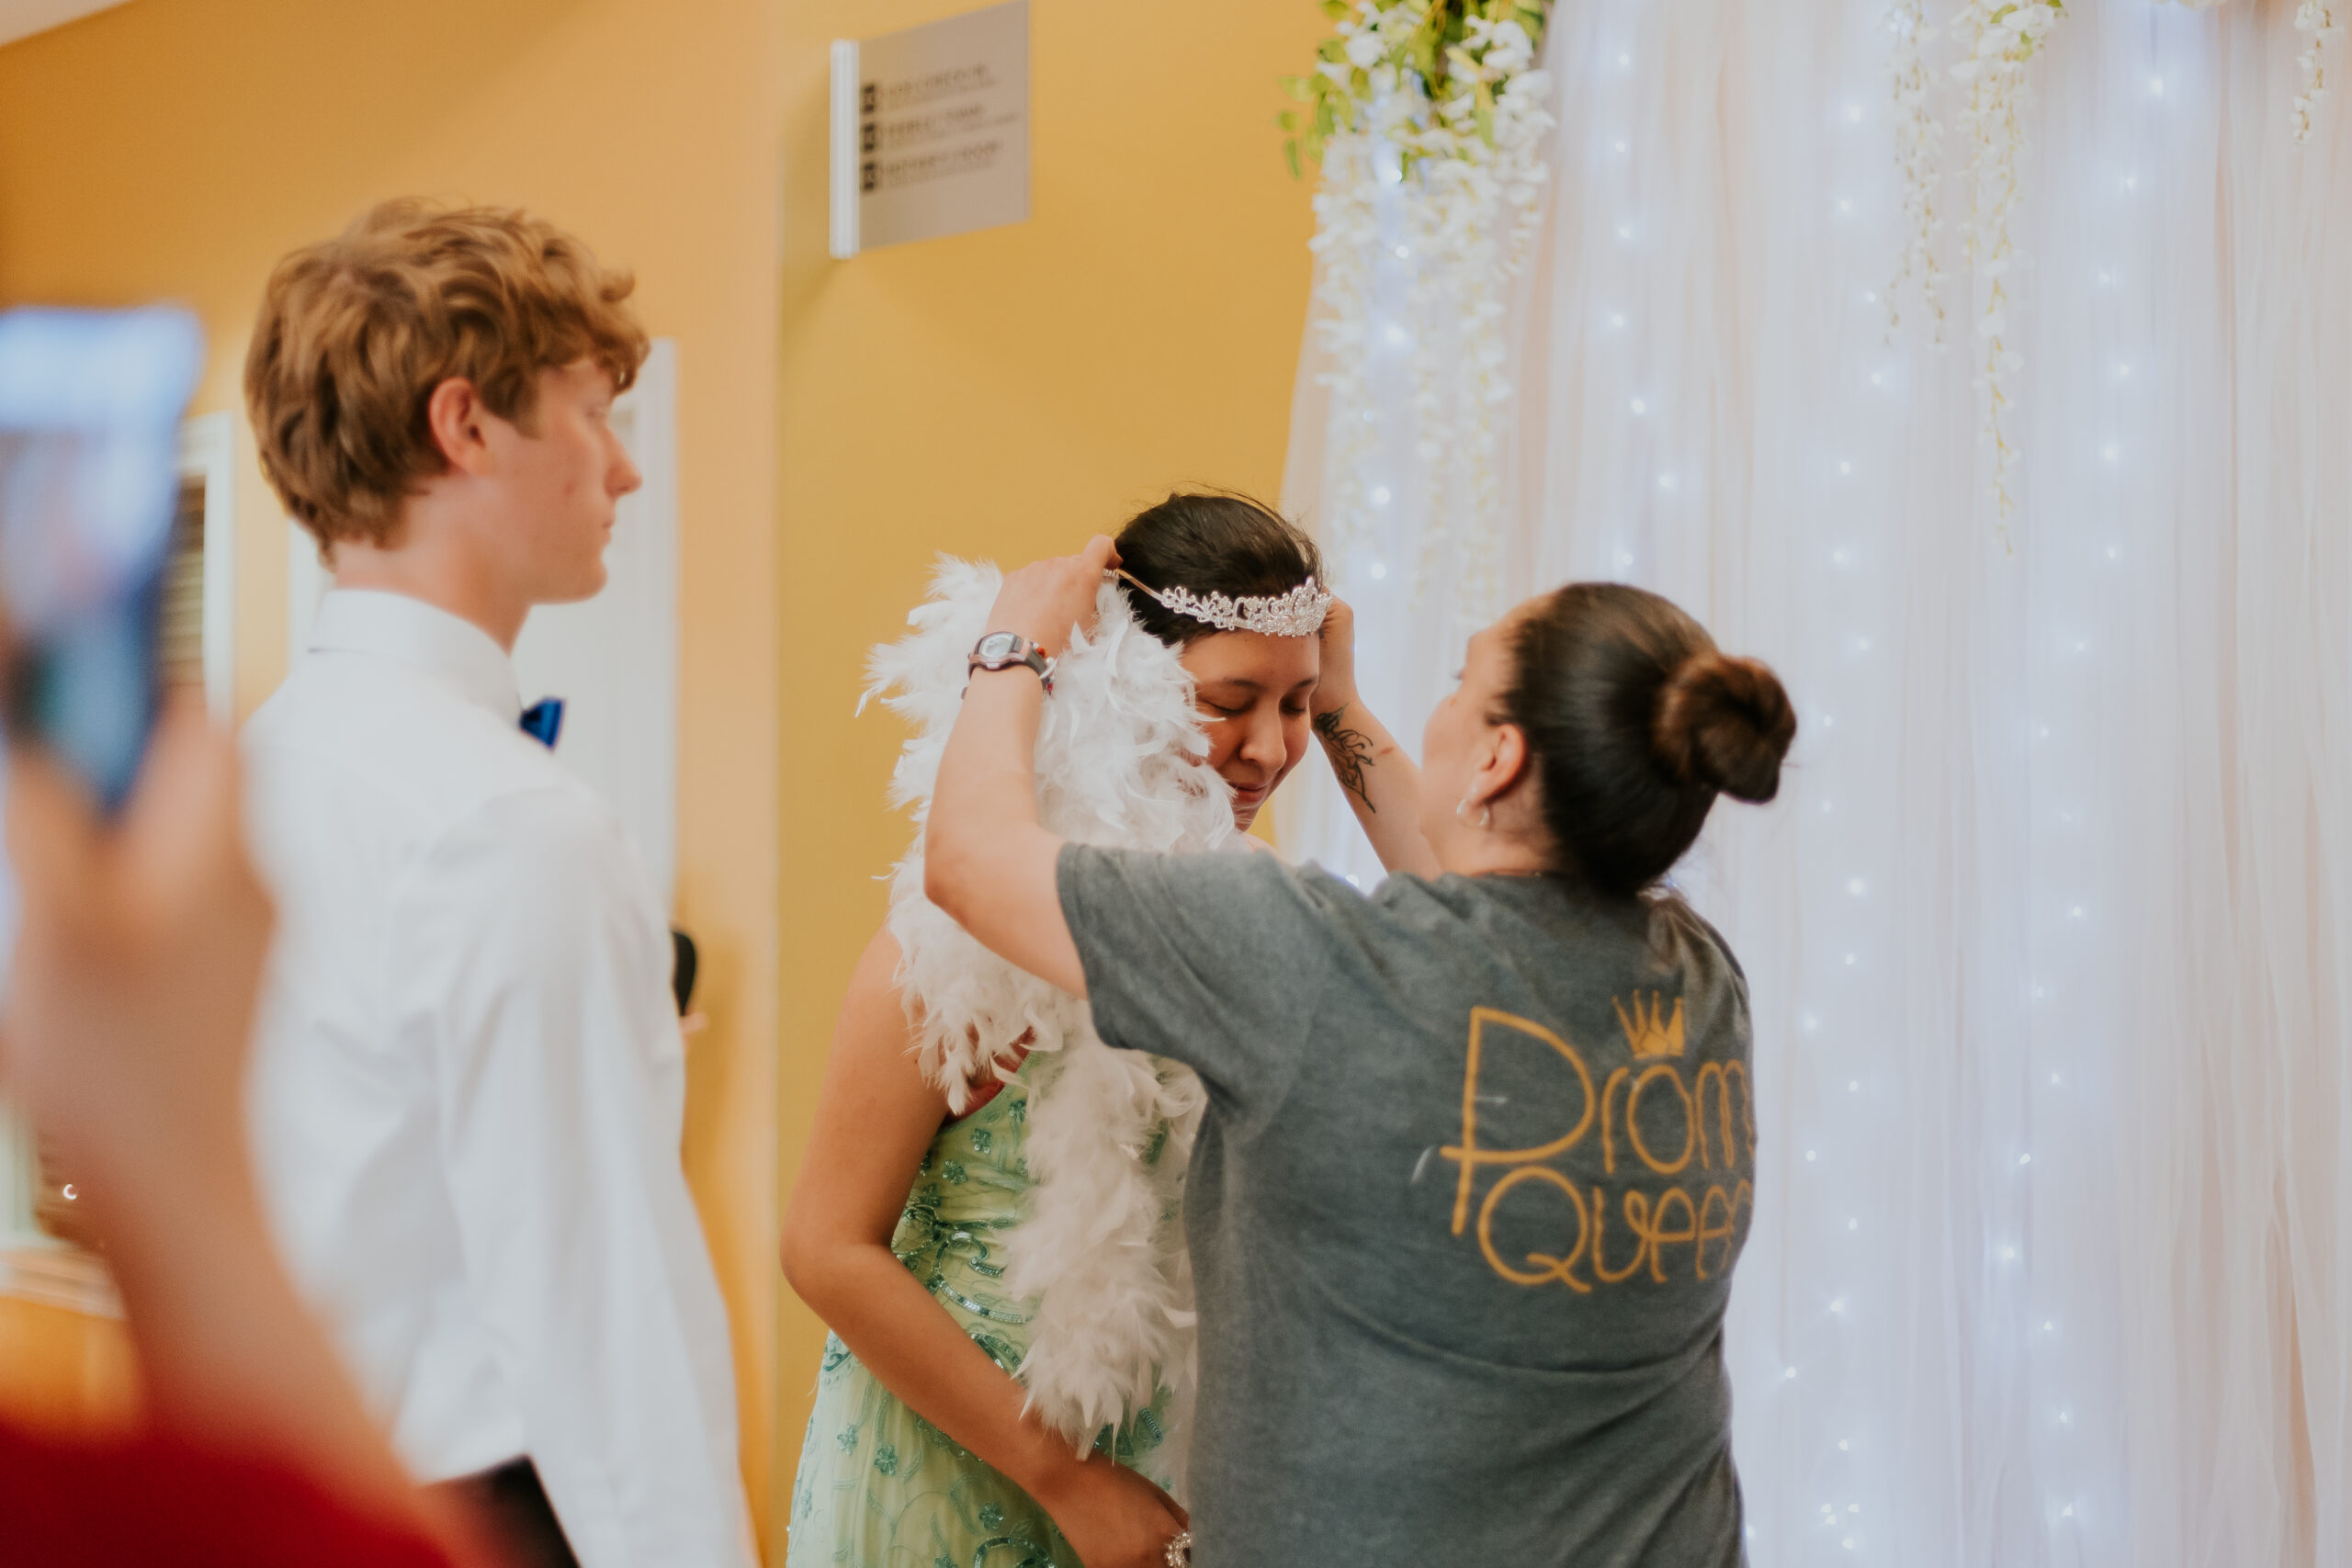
[{"x": 543, "y": 721}]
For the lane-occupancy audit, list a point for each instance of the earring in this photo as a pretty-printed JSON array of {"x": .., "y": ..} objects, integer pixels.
[{"x": 1462, "y": 809}]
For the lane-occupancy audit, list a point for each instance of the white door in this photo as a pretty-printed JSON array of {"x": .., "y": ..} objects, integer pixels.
[{"x": 614, "y": 659}]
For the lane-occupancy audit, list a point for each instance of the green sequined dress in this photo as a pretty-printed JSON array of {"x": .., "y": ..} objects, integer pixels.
[{"x": 881, "y": 1487}]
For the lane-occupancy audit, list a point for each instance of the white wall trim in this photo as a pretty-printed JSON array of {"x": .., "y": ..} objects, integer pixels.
[
  {"x": 23, "y": 18},
  {"x": 209, "y": 449},
  {"x": 18, "y": 1183},
  {"x": 54, "y": 1274},
  {"x": 614, "y": 659},
  {"x": 842, "y": 211},
  {"x": 655, "y": 416}
]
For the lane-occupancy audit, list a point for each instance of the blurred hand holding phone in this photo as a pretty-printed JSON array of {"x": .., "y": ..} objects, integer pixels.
[{"x": 90, "y": 408}]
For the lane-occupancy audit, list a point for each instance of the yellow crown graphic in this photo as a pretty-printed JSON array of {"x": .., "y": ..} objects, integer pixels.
[{"x": 1654, "y": 1034}]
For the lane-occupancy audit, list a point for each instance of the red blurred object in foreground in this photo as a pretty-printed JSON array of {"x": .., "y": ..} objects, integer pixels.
[{"x": 131, "y": 1505}]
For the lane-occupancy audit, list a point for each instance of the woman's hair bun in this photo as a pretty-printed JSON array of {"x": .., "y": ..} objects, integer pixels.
[
  {"x": 1725, "y": 723},
  {"x": 1639, "y": 726}
]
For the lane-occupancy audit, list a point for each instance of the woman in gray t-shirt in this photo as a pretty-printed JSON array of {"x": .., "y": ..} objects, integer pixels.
[{"x": 1480, "y": 1147}]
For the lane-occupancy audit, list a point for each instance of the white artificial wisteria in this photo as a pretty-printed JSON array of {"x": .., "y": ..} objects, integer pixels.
[
  {"x": 2316, "y": 17},
  {"x": 1998, "y": 40},
  {"x": 1347, "y": 234},
  {"x": 1443, "y": 102},
  {"x": 1471, "y": 214},
  {"x": 1919, "y": 140},
  {"x": 2319, "y": 18}
]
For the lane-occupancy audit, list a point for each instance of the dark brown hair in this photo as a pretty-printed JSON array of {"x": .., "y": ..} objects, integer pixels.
[
  {"x": 1637, "y": 722},
  {"x": 356, "y": 332},
  {"x": 1210, "y": 541}
]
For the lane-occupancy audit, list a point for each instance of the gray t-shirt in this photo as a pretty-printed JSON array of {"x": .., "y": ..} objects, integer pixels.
[{"x": 1476, "y": 1165}]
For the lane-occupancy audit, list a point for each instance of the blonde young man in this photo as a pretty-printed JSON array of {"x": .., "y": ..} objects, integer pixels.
[{"x": 469, "y": 1083}]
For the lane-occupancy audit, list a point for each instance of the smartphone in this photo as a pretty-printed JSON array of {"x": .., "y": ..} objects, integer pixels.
[{"x": 90, "y": 410}]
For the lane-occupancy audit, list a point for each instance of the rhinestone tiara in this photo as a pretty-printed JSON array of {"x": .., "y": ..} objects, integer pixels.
[{"x": 1298, "y": 613}]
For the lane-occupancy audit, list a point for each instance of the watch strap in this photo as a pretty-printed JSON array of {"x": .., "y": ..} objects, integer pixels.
[{"x": 1011, "y": 651}]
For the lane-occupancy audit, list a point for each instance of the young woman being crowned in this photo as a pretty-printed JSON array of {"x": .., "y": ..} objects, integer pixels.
[{"x": 990, "y": 1215}]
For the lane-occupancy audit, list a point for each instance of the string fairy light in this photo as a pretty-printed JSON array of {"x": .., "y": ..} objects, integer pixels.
[{"x": 1836, "y": 1440}]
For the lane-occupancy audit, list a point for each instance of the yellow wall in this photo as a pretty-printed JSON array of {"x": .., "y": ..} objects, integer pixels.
[
  {"x": 1002, "y": 393},
  {"x": 175, "y": 148},
  {"x": 1008, "y": 393},
  {"x": 64, "y": 1370}
]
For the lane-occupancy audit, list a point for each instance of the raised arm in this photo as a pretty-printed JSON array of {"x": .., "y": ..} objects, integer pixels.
[
  {"x": 1383, "y": 786},
  {"x": 987, "y": 860}
]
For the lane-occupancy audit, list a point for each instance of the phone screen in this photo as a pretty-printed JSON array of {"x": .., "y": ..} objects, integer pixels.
[{"x": 90, "y": 408}]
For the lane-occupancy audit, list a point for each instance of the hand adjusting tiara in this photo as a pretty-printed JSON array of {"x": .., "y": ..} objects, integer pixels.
[{"x": 1298, "y": 613}]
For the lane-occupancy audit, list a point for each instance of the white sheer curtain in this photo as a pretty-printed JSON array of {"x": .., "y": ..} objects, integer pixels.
[{"x": 2051, "y": 931}]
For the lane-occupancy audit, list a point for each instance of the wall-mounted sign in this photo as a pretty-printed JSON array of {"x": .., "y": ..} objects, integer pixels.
[{"x": 930, "y": 130}]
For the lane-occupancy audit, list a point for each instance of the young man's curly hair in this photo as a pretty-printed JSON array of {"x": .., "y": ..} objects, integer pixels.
[{"x": 356, "y": 332}]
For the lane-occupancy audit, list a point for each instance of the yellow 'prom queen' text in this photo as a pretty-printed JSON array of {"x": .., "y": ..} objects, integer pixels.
[{"x": 1656, "y": 1216}]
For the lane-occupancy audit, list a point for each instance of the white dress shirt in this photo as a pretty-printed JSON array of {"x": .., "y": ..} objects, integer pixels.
[{"x": 469, "y": 1090}]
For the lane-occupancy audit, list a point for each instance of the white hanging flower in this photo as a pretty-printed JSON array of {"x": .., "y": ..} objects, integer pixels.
[
  {"x": 1469, "y": 175},
  {"x": 2317, "y": 18},
  {"x": 2000, "y": 38},
  {"x": 1919, "y": 138},
  {"x": 1506, "y": 49}
]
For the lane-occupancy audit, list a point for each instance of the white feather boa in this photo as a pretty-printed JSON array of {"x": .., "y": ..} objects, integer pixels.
[{"x": 1101, "y": 1250}]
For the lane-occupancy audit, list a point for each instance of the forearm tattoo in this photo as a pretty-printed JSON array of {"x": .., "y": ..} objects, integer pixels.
[{"x": 1349, "y": 751}]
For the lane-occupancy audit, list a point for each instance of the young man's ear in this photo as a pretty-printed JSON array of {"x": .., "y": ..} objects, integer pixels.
[{"x": 456, "y": 414}]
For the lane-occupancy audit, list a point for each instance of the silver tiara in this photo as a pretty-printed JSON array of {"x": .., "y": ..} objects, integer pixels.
[{"x": 1298, "y": 613}]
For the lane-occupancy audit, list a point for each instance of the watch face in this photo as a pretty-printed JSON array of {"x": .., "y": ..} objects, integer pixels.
[{"x": 996, "y": 645}]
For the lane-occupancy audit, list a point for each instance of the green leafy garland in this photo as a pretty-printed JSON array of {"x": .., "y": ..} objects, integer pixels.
[{"x": 1432, "y": 42}]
